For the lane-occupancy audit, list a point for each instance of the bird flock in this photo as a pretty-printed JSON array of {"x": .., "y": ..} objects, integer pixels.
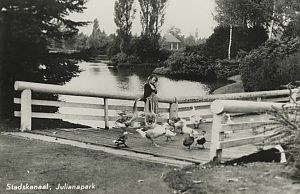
[{"x": 173, "y": 127}]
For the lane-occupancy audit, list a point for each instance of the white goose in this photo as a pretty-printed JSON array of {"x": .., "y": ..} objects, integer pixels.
[
  {"x": 229, "y": 122},
  {"x": 196, "y": 119}
]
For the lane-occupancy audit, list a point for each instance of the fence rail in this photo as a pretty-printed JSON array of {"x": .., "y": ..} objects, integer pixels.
[
  {"x": 176, "y": 106},
  {"x": 220, "y": 108}
]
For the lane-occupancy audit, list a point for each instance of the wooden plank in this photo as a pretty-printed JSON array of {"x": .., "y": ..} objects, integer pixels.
[
  {"x": 239, "y": 106},
  {"x": 242, "y": 141},
  {"x": 57, "y": 89},
  {"x": 282, "y": 99},
  {"x": 62, "y": 116},
  {"x": 234, "y": 96},
  {"x": 245, "y": 125},
  {"x": 130, "y": 108},
  {"x": 204, "y": 116},
  {"x": 106, "y": 119},
  {"x": 26, "y": 110},
  {"x": 62, "y": 104},
  {"x": 79, "y": 117},
  {"x": 84, "y": 105},
  {"x": 202, "y": 106}
]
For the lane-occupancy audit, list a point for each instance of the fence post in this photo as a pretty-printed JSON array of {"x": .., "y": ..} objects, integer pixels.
[
  {"x": 106, "y": 119},
  {"x": 26, "y": 110},
  {"x": 215, "y": 150},
  {"x": 173, "y": 109},
  {"x": 293, "y": 97}
]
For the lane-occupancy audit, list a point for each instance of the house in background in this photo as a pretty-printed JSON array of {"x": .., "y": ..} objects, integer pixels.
[{"x": 172, "y": 43}]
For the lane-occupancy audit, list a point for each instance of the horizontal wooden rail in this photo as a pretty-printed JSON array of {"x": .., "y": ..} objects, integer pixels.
[
  {"x": 234, "y": 106},
  {"x": 76, "y": 117},
  {"x": 242, "y": 141},
  {"x": 84, "y": 105},
  {"x": 280, "y": 99},
  {"x": 234, "y": 96},
  {"x": 219, "y": 127},
  {"x": 56, "y": 89},
  {"x": 50, "y": 88},
  {"x": 245, "y": 125}
]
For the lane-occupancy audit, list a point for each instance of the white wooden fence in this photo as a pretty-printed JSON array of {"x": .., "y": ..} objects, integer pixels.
[
  {"x": 180, "y": 106},
  {"x": 220, "y": 127}
]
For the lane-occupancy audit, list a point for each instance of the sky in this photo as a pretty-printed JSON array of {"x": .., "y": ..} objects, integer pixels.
[{"x": 187, "y": 15}]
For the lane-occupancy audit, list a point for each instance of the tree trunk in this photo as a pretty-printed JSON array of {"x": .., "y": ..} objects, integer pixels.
[
  {"x": 230, "y": 42},
  {"x": 2, "y": 103},
  {"x": 272, "y": 22}
]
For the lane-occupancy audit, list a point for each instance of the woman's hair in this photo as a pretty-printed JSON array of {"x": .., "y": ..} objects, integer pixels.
[{"x": 153, "y": 76}]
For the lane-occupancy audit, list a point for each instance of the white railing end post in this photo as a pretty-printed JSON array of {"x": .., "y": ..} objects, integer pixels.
[
  {"x": 26, "y": 110},
  {"x": 215, "y": 150}
]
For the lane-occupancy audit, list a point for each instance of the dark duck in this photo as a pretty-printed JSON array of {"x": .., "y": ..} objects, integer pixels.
[
  {"x": 122, "y": 140},
  {"x": 189, "y": 140},
  {"x": 201, "y": 140}
]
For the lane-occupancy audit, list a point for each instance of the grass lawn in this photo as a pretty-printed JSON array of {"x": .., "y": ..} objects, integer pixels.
[
  {"x": 35, "y": 162},
  {"x": 264, "y": 178}
]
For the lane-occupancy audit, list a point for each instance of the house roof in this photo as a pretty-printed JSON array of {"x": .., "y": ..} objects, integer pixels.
[{"x": 170, "y": 38}]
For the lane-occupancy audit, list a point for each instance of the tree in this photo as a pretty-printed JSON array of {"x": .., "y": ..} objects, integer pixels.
[
  {"x": 293, "y": 28},
  {"x": 124, "y": 14},
  {"x": 228, "y": 15},
  {"x": 175, "y": 31},
  {"x": 190, "y": 41},
  {"x": 28, "y": 28},
  {"x": 81, "y": 41},
  {"x": 270, "y": 14},
  {"x": 245, "y": 39},
  {"x": 152, "y": 16},
  {"x": 98, "y": 39}
]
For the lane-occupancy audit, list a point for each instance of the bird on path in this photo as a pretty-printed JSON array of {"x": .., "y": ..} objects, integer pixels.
[
  {"x": 169, "y": 133},
  {"x": 196, "y": 119},
  {"x": 121, "y": 140},
  {"x": 184, "y": 129},
  {"x": 189, "y": 140},
  {"x": 153, "y": 133},
  {"x": 201, "y": 140}
]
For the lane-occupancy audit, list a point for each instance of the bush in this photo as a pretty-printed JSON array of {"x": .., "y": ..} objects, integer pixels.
[
  {"x": 123, "y": 59},
  {"x": 286, "y": 132},
  {"x": 274, "y": 63},
  {"x": 164, "y": 54},
  {"x": 190, "y": 64},
  {"x": 226, "y": 68},
  {"x": 146, "y": 48}
]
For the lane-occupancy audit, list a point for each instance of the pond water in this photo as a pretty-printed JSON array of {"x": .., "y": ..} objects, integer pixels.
[{"x": 101, "y": 77}]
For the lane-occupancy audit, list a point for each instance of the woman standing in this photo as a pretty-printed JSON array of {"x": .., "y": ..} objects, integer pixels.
[{"x": 150, "y": 98}]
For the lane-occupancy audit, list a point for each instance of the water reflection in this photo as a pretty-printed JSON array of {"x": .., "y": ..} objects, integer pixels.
[{"x": 99, "y": 77}]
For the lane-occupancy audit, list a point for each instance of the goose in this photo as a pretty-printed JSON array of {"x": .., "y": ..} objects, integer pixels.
[
  {"x": 228, "y": 119},
  {"x": 126, "y": 120},
  {"x": 183, "y": 129},
  {"x": 153, "y": 133},
  {"x": 196, "y": 119},
  {"x": 169, "y": 134},
  {"x": 228, "y": 122}
]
